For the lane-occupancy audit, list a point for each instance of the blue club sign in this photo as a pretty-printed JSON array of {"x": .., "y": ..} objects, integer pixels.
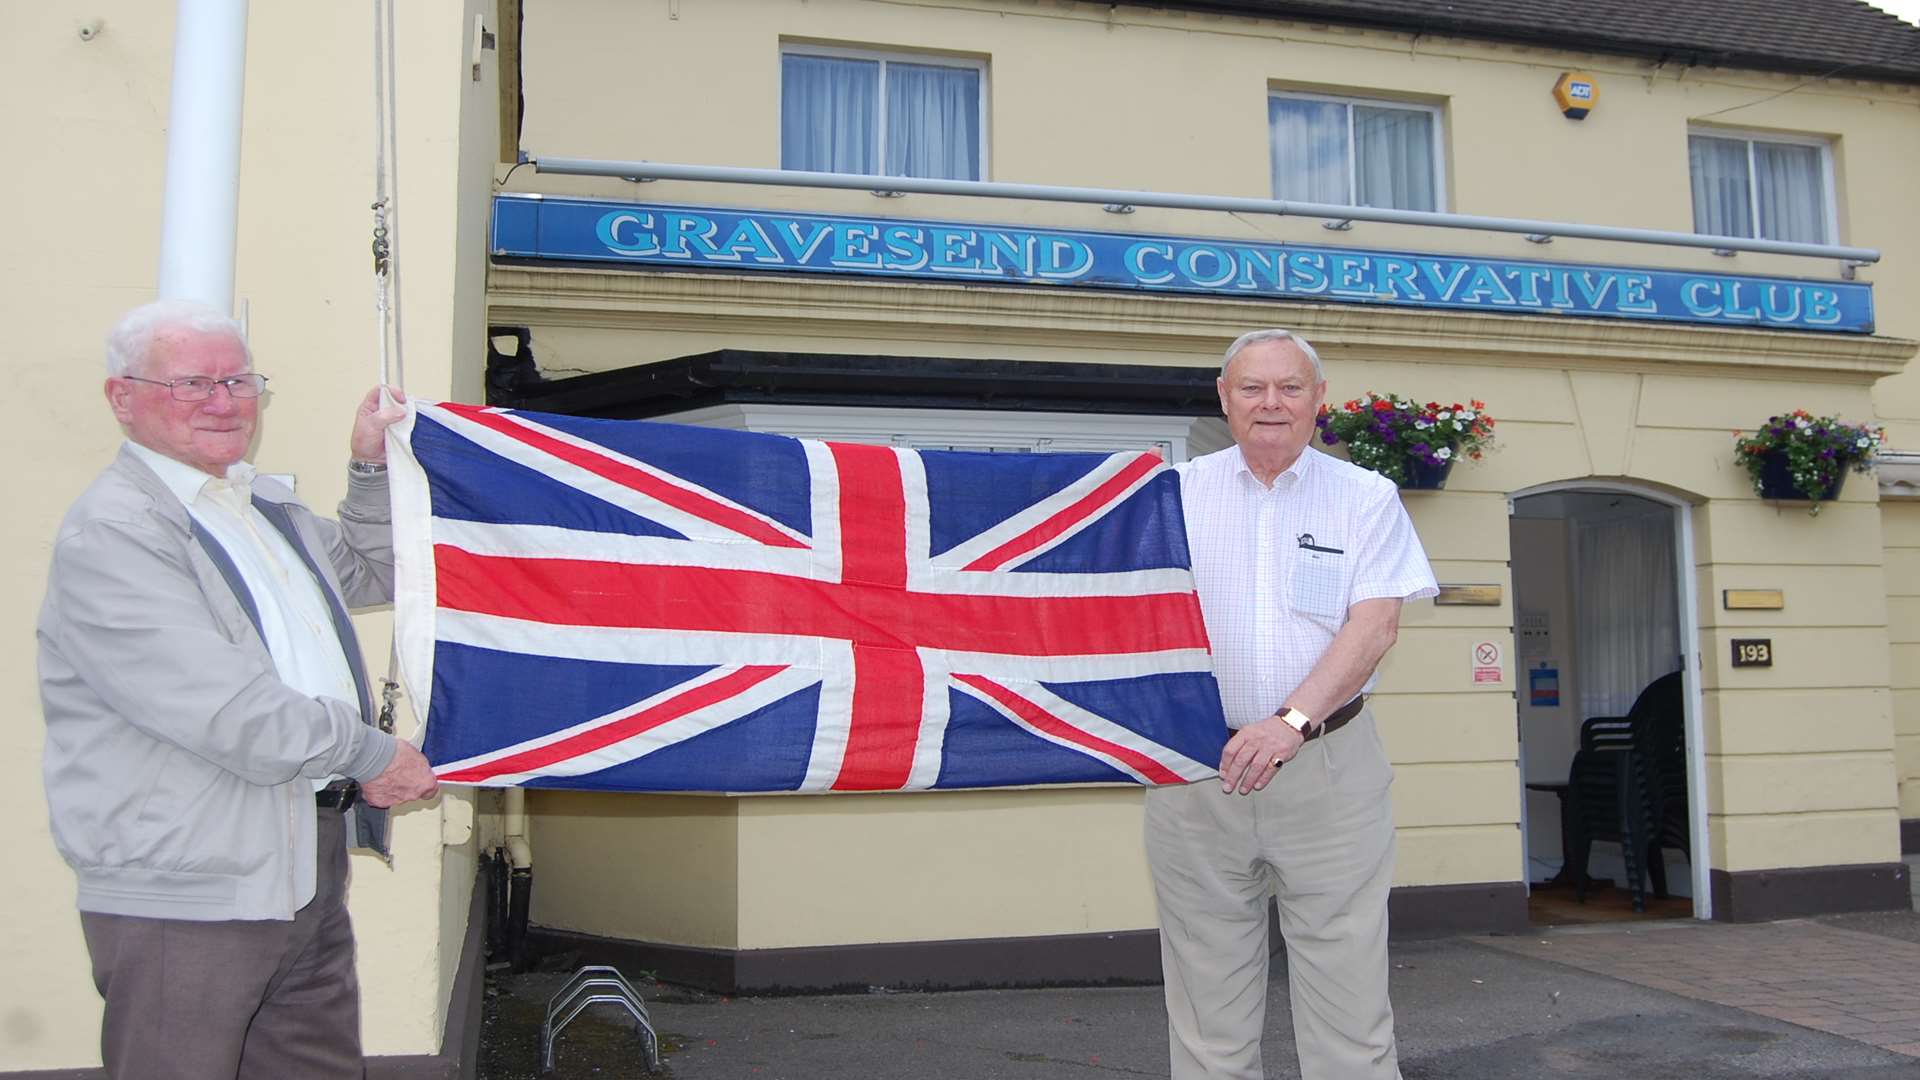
[{"x": 659, "y": 236}]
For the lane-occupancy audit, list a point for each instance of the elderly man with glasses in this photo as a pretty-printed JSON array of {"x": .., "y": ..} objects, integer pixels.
[
  {"x": 211, "y": 748},
  {"x": 1302, "y": 562}
]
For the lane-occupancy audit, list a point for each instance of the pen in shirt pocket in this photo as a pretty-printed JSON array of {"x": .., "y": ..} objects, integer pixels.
[{"x": 1306, "y": 541}]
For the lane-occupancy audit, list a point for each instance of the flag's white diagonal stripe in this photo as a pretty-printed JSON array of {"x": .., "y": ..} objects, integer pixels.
[
  {"x": 693, "y": 526},
  {"x": 1047, "y": 509},
  {"x": 673, "y": 732},
  {"x": 1096, "y": 725}
]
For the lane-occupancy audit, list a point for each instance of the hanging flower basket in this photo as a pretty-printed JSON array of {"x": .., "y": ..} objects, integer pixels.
[
  {"x": 1413, "y": 445},
  {"x": 1422, "y": 476},
  {"x": 1801, "y": 457}
]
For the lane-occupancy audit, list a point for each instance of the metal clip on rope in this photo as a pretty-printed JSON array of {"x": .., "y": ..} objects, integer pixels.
[
  {"x": 382, "y": 251},
  {"x": 389, "y": 693}
]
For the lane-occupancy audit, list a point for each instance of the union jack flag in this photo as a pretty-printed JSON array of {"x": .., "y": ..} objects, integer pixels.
[{"x": 635, "y": 606}]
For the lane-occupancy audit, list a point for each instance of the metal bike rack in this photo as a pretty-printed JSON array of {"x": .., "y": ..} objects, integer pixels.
[{"x": 596, "y": 984}]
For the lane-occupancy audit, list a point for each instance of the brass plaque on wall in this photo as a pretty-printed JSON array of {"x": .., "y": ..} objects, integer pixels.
[
  {"x": 1469, "y": 595},
  {"x": 1753, "y": 599}
]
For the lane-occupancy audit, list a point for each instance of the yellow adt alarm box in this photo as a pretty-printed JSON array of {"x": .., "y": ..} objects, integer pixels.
[{"x": 1576, "y": 93}]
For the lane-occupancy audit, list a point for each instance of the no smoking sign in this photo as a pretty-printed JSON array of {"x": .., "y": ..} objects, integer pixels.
[{"x": 1487, "y": 667}]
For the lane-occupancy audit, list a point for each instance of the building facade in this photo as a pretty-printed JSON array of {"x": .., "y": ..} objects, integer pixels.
[{"x": 1610, "y": 539}]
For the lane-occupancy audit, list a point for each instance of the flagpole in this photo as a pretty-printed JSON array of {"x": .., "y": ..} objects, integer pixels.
[{"x": 199, "y": 211}]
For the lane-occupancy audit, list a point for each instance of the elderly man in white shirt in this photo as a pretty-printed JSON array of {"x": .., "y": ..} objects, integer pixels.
[
  {"x": 211, "y": 743},
  {"x": 1302, "y": 562}
]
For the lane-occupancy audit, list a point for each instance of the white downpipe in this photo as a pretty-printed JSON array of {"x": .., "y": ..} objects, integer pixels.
[
  {"x": 199, "y": 214},
  {"x": 519, "y": 849}
]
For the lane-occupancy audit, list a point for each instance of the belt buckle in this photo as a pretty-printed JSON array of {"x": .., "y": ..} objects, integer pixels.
[{"x": 339, "y": 798}]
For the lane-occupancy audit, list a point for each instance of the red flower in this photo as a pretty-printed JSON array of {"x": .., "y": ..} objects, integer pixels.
[{"x": 1383, "y": 406}]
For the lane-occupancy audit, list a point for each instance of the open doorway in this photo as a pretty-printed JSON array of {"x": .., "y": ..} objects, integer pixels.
[{"x": 1602, "y": 635}]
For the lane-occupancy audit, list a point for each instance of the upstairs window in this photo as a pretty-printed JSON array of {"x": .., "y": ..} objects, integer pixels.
[
  {"x": 1354, "y": 152},
  {"x": 880, "y": 115},
  {"x": 1767, "y": 189}
]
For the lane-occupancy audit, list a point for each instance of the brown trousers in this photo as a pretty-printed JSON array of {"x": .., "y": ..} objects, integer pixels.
[{"x": 263, "y": 1000}]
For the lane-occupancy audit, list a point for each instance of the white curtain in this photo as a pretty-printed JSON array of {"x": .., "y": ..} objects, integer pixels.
[
  {"x": 1393, "y": 157},
  {"x": 1625, "y": 607},
  {"x": 828, "y": 111},
  {"x": 933, "y": 122},
  {"x": 1792, "y": 185},
  {"x": 1722, "y": 201},
  {"x": 1309, "y": 145}
]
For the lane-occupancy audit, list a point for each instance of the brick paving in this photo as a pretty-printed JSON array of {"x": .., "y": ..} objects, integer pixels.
[{"x": 1864, "y": 987}]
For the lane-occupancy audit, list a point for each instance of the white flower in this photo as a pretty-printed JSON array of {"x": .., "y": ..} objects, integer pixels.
[
  {"x": 1443, "y": 453},
  {"x": 1861, "y": 443},
  {"x": 1421, "y": 425},
  {"x": 1802, "y": 424},
  {"x": 1445, "y": 414}
]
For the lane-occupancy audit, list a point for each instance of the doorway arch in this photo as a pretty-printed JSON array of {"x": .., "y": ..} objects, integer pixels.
[{"x": 1678, "y": 506}]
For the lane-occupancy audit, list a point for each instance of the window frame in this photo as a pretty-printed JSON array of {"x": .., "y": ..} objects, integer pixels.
[
  {"x": 1830, "y": 203},
  {"x": 885, "y": 57},
  {"x": 1437, "y": 149}
]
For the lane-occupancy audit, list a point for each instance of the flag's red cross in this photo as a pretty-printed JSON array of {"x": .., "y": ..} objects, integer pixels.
[{"x": 871, "y": 606}]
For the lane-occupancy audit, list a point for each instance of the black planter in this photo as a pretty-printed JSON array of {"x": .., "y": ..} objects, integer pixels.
[
  {"x": 1424, "y": 477},
  {"x": 1776, "y": 481}
]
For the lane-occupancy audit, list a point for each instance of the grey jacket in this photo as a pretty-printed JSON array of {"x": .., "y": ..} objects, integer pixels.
[{"x": 178, "y": 766}]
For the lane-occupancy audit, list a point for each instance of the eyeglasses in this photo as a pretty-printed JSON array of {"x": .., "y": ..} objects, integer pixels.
[{"x": 200, "y": 387}]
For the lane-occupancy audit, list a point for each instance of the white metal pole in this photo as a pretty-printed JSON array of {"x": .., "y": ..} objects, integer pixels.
[{"x": 198, "y": 217}]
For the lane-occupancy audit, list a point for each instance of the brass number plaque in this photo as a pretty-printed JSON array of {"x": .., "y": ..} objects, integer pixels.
[{"x": 1752, "y": 652}]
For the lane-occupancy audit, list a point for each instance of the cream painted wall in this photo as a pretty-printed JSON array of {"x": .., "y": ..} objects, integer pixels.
[
  {"x": 1900, "y": 524},
  {"x": 85, "y": 248}
]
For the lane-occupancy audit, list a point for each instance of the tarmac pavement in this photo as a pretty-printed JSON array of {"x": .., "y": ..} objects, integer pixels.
[{"x": 1677, "y": 999}]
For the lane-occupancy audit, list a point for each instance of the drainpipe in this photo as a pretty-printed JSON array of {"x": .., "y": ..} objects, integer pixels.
[
  {"x": 199, "y": 212},
  {"x": 519, "y": 876}
]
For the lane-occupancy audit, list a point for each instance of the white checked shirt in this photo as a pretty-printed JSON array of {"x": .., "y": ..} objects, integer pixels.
[
  {"x": 294, "y": 617},
  {"x": 1277, "y": 568}
]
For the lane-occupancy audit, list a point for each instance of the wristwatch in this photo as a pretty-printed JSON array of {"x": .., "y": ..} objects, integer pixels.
[
  {"x": 366, "y": 468},
  {"x": 1296, "y": 719}
]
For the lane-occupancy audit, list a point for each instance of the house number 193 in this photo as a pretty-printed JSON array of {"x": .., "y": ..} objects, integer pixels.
[{"x": 1752, "y": 652}]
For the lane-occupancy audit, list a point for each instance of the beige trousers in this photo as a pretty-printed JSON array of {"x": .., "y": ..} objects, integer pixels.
[{"x": 1319, "y": 840}]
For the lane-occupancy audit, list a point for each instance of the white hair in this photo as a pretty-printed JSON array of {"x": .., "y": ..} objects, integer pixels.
[
  {"x": 1255, "y": 337},
  {"x": 132, "y": 338}
]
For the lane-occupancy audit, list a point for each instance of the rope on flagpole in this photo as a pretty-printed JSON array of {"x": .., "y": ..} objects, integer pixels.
[{"x": 386, "y": 268}]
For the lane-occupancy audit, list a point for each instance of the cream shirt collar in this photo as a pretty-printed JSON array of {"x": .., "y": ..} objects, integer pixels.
[
  {"x": 187, "y": 483},
  {"x": 1297, "y": 470}
]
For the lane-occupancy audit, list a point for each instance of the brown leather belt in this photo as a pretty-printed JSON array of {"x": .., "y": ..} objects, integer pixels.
[
  {"x": 1339, "y": 719},
  {"x": 338, "y": 795}
]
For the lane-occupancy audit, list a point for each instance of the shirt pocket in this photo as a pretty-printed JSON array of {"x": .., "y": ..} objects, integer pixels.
[{"x": 1321, "y": 582}]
